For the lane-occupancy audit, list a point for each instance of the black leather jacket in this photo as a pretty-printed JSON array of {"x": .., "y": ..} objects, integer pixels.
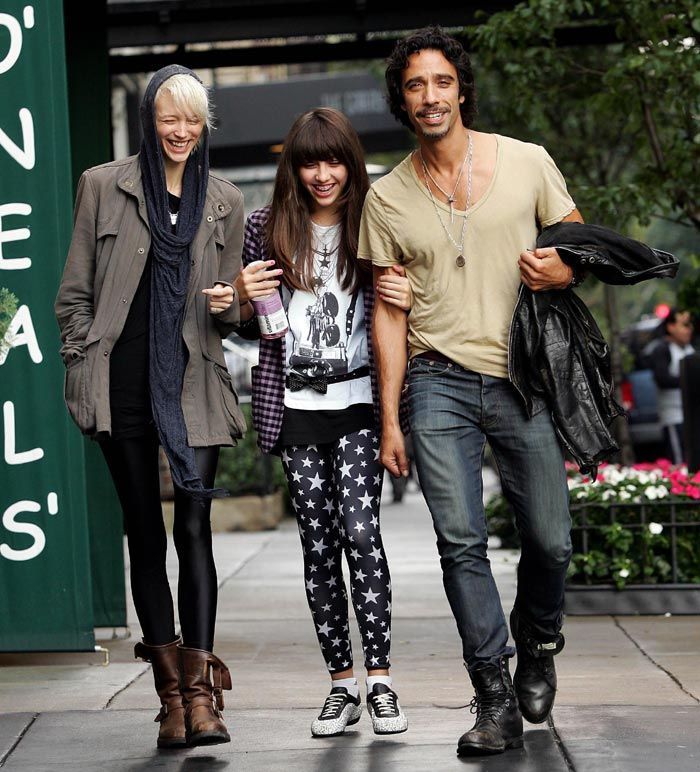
[{"x": 557, "y": 354}]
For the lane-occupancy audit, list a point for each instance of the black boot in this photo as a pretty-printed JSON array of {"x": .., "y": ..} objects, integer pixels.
[
  {"x": 535, "y": 677},
  {"x": 499, "y": 725}
]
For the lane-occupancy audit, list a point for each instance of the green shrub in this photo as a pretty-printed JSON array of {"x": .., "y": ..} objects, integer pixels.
[
  {"x": 244, "y": 470},
  {"x": 628, "y": 525},
  {"x": 8, "y": 308}
]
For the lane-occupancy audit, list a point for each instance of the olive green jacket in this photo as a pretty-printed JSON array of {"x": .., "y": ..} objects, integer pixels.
[{"x": 107, "y": 255}]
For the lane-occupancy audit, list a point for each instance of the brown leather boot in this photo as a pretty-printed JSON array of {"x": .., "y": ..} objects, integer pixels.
[
  {"x": 164, "y": 660},
  {"x": 203, "y": 696}
]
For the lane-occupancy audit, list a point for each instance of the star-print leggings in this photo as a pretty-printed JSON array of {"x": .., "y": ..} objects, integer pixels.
[{"x": 336, "y": 489}]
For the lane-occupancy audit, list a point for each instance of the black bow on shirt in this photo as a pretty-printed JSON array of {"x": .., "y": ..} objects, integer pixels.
[{"x": 297, "y": 382}]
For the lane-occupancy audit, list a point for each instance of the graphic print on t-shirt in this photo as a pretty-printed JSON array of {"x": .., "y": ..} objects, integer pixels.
[
  {"x": 321, "y": 351},
  {"x": 327, "y": 336}
]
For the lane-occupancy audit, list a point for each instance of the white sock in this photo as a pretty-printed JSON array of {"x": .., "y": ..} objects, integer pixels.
[
  {"x": 350, "y": 684},
  {"x": 378, "y": 679}
]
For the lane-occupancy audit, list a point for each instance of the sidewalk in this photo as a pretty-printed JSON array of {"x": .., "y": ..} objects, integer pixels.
[{"x": 629, "y": 697}]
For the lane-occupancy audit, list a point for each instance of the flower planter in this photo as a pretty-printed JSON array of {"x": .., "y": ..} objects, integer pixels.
[
  {"x": 635, "y": 536},
  {"x": 583, "y": 600}
]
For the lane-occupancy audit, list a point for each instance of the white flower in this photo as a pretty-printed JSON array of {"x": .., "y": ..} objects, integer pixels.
[
  {"x": 581, "y": 495},
  {"x": 655, "y": 528},
  {"x": 661, "y": 491},
  {"x": 650, "y": 492},
  {"x": 631, "y": 488},
  {"x": 644, "y": 478},
  {"x": 624, "y": 495},
  {"x": 609, "y": 494},
  {"x": 624, "y": 573}
]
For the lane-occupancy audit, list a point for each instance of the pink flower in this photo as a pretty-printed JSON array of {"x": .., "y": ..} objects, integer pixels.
[
  {"x": 663, "y": 463},
  {"x": 693, "y": 491},
  {"x": 695, "y": 478},
  {"x": 676, "y": 489}
]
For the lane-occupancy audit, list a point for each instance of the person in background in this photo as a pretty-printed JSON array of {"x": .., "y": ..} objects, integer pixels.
[
  {"x": 313, "y": 400},
  {"x": 665, "y": 359},
  {"x": 146, "y": 296}
]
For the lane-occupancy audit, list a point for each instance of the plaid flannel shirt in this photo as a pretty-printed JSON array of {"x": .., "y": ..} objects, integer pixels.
[{"x": 268, "y": 376}]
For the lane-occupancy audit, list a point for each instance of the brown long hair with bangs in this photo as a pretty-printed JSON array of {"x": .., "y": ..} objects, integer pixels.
[{"x": 323, "y": 134}]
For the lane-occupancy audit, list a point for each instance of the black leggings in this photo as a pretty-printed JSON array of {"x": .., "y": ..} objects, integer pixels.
[{"x": 133, "y": 464}]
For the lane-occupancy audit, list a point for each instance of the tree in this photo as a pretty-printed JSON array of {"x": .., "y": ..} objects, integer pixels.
[{"x": 621, "y": 118}]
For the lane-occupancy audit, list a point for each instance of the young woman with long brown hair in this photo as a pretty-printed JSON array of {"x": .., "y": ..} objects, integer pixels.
[{"x": 313, "y": 399}]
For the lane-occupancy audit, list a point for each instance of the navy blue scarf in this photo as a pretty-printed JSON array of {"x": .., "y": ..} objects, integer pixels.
[{"x": 170, "y": 274}]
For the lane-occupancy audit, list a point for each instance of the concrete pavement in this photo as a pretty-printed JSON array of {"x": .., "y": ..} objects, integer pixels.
[{"x": 629, "y": 698}]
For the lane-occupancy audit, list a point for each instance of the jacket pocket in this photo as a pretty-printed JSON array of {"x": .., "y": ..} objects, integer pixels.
[
  {"x": 76, "y": 393},
  {"x": 229, "y": 400}
]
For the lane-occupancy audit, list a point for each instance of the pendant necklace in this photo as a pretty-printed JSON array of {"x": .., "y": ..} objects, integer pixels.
[
  {"x": 460, "y": 259},
  {"x": 325, "y": 267},
  {"x": 451, "y": 197}
]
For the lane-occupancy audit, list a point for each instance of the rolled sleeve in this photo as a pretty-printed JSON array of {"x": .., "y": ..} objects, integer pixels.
[
  {"x": 553, "y": 201},
  {"x": 377, "y": 243}
]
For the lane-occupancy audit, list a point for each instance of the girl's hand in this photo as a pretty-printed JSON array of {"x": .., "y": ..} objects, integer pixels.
[
  {"x": 220, "y": 297},
  {"x": 393, "y": 288},
  {"x": 257, "y": 280}
]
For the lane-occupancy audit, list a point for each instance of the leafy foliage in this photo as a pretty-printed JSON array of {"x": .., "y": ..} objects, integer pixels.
[
  {"x": 8, "y": 308},
  {"x": 689, "y": 293},
  {"x": 620, "y": 118},
  {"x": 244, "y": 470},
  {"x": 623, "y": 524}
]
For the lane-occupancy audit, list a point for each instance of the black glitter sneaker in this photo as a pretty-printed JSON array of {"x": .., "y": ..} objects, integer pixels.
[
  {"x": 339, "y": 710},
  {"x": 385, "y": 711}
]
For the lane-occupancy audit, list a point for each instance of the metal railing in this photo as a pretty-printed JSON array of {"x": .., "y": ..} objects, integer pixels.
[{"x": 590, "y": 520}]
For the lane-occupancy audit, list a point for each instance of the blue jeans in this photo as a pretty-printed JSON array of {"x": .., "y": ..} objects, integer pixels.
[{"x": 453, "y": 412}]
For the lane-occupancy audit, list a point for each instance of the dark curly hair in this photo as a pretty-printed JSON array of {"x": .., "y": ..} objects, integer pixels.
[{"x": 436, "y": 39}]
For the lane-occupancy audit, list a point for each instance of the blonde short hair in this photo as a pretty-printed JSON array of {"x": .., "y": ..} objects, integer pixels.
[{"x": 189, "y": 95}]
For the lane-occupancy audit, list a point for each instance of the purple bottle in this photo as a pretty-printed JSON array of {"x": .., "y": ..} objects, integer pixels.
[{"x": 270, "y": 313}]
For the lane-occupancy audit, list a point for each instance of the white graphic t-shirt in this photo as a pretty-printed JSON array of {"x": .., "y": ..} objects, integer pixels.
[{"x": 318, "y": 342}]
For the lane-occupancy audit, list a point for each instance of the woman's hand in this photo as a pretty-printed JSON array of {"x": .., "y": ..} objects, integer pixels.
[
  {"x": 220, "y": 297},
  {"x": 393, "y": 288},
  {"x": 257, "y": 280}
]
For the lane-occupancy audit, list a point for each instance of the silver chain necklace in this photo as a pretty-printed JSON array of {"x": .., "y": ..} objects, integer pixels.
[
  {"x": 460, "y": 260},
  {"x": 451, "y": 197},
  {"x": 325, "y": 266}
]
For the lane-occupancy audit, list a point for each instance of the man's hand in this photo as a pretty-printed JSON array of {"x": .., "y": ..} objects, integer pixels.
[
  {"x": 543, "y": 269},
  {"x": 392, "y": 452}
]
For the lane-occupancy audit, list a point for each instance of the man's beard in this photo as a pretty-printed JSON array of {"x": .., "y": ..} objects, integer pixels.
[
  {"x": 434, "y": 136},
  {"x": 438, "y": 133}
]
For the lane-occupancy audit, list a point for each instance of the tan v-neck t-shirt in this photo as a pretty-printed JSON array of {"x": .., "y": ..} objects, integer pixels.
[{"x": 464, "y": 313}]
